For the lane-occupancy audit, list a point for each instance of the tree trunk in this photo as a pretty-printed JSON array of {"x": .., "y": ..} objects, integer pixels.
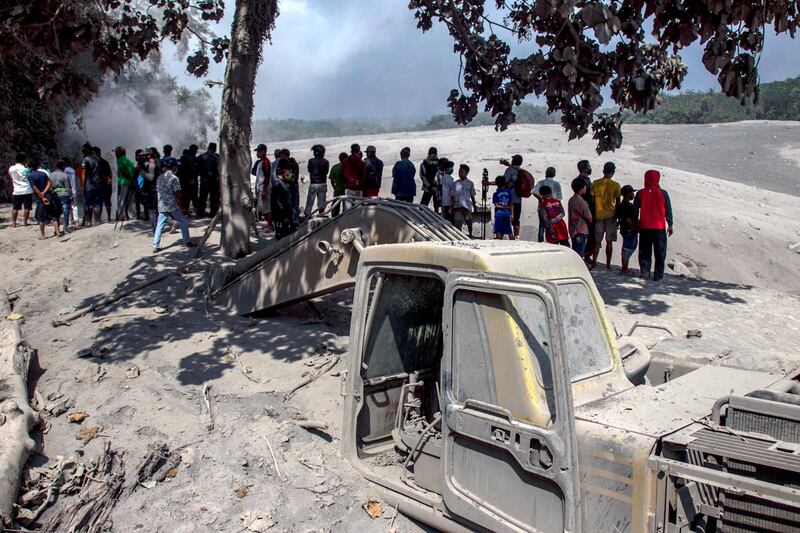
[
  {"x": 253, "y": 21},
  {"x": 16, "y": 416}
]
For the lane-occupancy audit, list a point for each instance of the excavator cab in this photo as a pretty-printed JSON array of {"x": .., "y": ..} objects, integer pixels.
[{"x": 459, "y": 394}]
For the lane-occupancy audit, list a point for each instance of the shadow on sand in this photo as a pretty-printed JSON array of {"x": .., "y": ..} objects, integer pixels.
[
  {"x": 638, "y": 296},
  {"x": 288, "y": 334}
]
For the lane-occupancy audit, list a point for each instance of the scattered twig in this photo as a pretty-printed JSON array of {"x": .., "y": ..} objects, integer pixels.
[
  {"x": 15, "y": 291},
  {"x": 120, "y": 315},
  {"x": 245, "y": 370},
  {"x": 312, "y": 378},
  {"x": 207, "y": 399},
  {"x": 211, "y": 225},
  {"x": 274, "y": 459},
  {"x": 394, "y": 517}
]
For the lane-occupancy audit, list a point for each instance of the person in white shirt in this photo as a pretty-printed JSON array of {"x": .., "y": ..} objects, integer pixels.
[
  {"x": 555, "y": 187},
  {"x": 445, "y": 179},
  {"x": 463, "y": 193},
  {"x": 21, "y": 191}
]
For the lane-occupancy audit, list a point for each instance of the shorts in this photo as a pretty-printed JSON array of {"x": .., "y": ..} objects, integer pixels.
[
  {"x": 629, "y": 244},
  {"x": 23, "y": 200},
  {"x": 93, "y": 198},
  {"x": 502, "y": 223},
  {"x": 517, "y": 214},
  {"x": 461, "y": 215},
  {"x": 107, "y": 192},
  {"x": 605, "y": 228}
]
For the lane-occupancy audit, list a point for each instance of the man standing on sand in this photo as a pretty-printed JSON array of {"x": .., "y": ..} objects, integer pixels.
[
  {"x": 511, "y": 176},
  {"x": 263, "y": 172},
  {"x": 168, "y": 187},
  {"x": 431, "y": 189},
  {"x": 337, "y": 182},
  {"x": 92, "y": 187},
  {"x": 550, "y": 181},
  {"x": 463, "y": 199},
  {"x": 208, "y": 170},
  {"x": 21, "y": 191},
  {"x": 444, "y": 177},
  {"x": 187, "y": 174},
  {"x": 354, "y": 173},
  {"x": 106, "y": 177},
  {"x": 126, "y": 173},
  {"x": 374, "y": 174},
  {"x": 584, "y": 171},
  {"x": 606, "y": 202},
  {"x": 404, "y": 188},
  {"x": 655, "y": 225},
  {"x": 318, "y": 168},
  {"x": 628, "y": 218},
  {"x": 579, "y": 217}
]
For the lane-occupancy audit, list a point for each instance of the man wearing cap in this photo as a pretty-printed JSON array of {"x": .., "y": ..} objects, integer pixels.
[
  {"x": 263, "y": 172},
  {"x": 318, "y": 168},
  {"x": 374, "y": 173},
  {"x": 168, "y": 187},
  {"x": 354, "y": 173},
  {"x": 606, "y": 202},
  {"x": 555, "y": 188}
]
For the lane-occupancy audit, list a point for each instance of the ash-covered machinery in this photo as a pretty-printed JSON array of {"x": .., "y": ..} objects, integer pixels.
[{"x": 486, "y": 391}]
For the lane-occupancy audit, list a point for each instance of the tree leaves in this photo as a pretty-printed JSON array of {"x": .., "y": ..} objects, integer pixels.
[{"x": 586, "y": 45}]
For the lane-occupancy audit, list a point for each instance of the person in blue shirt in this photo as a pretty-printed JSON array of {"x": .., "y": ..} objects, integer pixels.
[
  {"x": 404, "y": 187},
  {"x": 503, "y": 200}
]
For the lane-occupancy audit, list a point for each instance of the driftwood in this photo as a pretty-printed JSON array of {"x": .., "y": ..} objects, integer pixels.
[
  {"x": 180, "y": 269},
  {"x": 312, "y": 424},
  {"x": 16, "y": 415}
]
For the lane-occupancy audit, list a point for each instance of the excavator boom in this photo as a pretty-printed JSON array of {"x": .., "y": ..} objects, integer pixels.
[{"x": 322, "y": 255}]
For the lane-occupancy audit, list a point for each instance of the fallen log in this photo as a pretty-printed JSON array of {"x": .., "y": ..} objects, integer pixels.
[{"x": 16, "y": 415}]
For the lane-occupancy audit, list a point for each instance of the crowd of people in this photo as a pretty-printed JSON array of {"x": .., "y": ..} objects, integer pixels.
[{"x": 159, "y": 188}]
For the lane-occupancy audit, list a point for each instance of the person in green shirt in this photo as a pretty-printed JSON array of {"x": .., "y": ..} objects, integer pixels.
[
  {"x": 126, "y": 171},
  {"x": 337, "y": 180}
]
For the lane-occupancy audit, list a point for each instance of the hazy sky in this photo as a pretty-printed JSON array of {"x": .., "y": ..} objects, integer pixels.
[{"x": 366, "y": 58}]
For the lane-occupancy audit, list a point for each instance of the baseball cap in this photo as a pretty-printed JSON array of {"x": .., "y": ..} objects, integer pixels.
[
  {"x": 370, "y": 148},
  {"x": 261, "y": 146},
  {"x": 626, "y": 189}
]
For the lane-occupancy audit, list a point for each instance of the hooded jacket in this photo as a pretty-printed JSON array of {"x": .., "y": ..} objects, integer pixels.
[
  {"x": 354, "y": 172},
  {"x": 655, "y": 208}
]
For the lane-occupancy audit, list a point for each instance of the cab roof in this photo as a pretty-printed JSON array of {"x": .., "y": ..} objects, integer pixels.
[{"x": 520, "y": 258}]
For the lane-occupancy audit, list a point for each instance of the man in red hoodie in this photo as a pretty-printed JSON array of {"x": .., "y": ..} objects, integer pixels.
[
  {"x": 655, "y": 223},
  {"x": 354, "y": 172}
]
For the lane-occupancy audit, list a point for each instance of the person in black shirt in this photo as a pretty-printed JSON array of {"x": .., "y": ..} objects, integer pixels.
[
  {"x": 294, "y": 183},
  {"x": 208, "y": 171},
  {"x": 187, "y": 175},
  {"x": 92, "y": 186},
  {"x": 106, "y": 178},
  {"x": 628, "y": 216},
  {"x": 281, "y": 201},
  {"x": 374, "y": 173},
  {"x": 318, "y": 168}
]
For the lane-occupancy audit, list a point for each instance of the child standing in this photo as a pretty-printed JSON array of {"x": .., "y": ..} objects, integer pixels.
[
  {"x": 580, "y": 216},
  {"x": 503, "y": 210},
  {"x": 628, "y": 217},
  {"x": 553, "y": 216}
]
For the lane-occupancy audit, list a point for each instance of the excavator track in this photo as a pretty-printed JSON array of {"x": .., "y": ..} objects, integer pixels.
[{"x": 322, "y": 256}]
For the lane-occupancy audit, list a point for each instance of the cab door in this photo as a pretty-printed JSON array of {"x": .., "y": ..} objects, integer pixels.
[{"x": 509, "y": 442}]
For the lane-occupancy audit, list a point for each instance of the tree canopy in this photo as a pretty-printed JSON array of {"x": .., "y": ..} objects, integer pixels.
[{"x": 576, "y": 48}]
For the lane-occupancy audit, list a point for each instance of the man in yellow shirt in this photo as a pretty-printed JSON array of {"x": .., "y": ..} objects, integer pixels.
[{"x": 606, "y": 200}]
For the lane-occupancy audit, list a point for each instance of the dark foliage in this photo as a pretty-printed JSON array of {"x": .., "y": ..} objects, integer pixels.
[{"x": 582, "y": 46}]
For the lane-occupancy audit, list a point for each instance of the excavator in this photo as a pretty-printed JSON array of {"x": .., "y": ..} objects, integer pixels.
[{"x": 487, "y": 390}]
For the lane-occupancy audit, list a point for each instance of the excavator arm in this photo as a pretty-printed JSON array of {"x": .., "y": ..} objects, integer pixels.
[{"x": 322, "y": 256}]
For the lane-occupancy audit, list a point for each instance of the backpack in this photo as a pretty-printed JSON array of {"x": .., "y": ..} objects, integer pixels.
[{"x": 524, "y": 185}]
